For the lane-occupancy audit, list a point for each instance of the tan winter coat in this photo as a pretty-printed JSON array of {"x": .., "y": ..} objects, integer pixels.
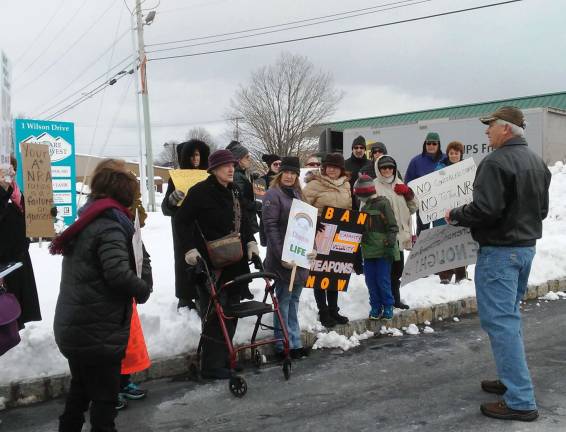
[
  {"x": 322, "y": 191},
  {"x": 402, "y": 208}
]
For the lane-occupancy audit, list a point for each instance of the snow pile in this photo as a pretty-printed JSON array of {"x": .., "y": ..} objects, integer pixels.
[
  {"x": 428, "y": 329},
  {"x": 552, "y": 296},
  {"x": 335, "y": 340},
  {"x": 412, "y": 330},
  {"x": 456, "y": 319},
  {"x": 391, "y": 331}
]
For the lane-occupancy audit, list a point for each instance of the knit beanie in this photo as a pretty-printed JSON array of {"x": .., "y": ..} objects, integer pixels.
[
  {"x": 220, "y": 157},
  {"x": 270, "y": 158},
  {"x": 364, "y": 187},
  {"x": 237, "y": 149},
  {"x": 360, "y": 140}
]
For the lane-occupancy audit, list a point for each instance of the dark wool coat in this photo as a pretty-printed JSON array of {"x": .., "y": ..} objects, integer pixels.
[
  {"x": 275, "y": 216},
  {"x": 98, "y": 284},
  {"x": 14, "y": 246},
  {"x": 249, "y": 205},
  {"x": 210, "y": 204},
  {"x": 184, "y": 288}
]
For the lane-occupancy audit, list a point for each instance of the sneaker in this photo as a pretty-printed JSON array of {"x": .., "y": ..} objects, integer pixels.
[
  {"x": 375, "y": 313},
  {"x": 495, "y": 387},
  {"x": 122, "y": 403},
  {"x": 132, "y": 391},
  {"x": 500, "y": 410},
  {"x": 387, "y": 313}
]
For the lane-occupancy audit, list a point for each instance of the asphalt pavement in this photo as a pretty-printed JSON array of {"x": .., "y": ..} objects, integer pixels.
[{"x": 426, "y": 382}]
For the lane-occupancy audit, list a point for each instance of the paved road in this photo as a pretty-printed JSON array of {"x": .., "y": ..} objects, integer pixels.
[{"x": 411, "y": 383}]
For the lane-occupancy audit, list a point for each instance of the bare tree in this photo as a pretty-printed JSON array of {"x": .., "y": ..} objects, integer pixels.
[
  {"x": 202, "y": 134},
  {"x": 168, "y": 156},
  {"x": 274, "y": 111}
]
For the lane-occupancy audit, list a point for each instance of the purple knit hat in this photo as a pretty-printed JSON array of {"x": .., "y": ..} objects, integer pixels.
[{"x": 220, "y": 157}]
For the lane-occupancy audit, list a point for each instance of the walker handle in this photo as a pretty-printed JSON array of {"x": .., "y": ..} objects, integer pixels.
[{"x": 248, "y": 277}]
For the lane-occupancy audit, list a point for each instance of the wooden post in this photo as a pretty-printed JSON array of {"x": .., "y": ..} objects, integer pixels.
[{"x": 292, "y": 280}]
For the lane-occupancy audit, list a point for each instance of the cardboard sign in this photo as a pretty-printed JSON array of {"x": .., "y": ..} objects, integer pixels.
[
  {"x": 438, "y": 249},
  {"x": 184, "y": 179},
  {"x": 444, "y": 189},
  {"x": 336, "y": 247},
  {"x": 36, "y": 170},
  {"x": 299, "y": 237}
]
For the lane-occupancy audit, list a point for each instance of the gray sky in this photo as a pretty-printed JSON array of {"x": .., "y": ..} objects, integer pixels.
[{"x": 58, "y": 46}]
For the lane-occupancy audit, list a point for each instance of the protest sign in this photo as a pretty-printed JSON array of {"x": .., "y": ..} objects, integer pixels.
[
  {"x": 36, "y": 170},
  {"x": 259, "y": 187},
  {"x": 438, "y": 249},
  {"x": 184, "y": 179},
  {"x": 299, "y": 237},
  {"x": 444, "y": 189},
  {"x": 336, "y": 247}
]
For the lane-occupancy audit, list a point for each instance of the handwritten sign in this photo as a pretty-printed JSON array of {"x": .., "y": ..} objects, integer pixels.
[
  {"x": 184, "y": 179},
  {"x": 36, "y": 171},
  {"x": 336, "y": 247},
  {"x": 438, "y": 249},
  {"x": 299, "y": 237},
  {"x": 444, "y": 189}
]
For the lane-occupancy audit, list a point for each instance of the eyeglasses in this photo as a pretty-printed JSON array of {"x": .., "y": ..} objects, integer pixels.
[
  {"x": 359, "y": 148},
  {"x": 313, "y": 164},
  {"x": 432, "y": 143}
]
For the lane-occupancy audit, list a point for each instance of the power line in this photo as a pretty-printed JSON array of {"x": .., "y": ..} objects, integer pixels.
[
  {"x": 335, "y": 33},
  {"x": 75, "y": 43},
  {"x": 298, "y": 26},
  {"x": 278, "y": 25}
]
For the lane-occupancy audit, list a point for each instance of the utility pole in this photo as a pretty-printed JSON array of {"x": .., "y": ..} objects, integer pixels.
[{"x": 145, "y": 105}]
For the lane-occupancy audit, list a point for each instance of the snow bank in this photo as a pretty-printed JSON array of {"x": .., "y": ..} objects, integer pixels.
[
  {"x": 169, "y": 332},
  {"x": 335, "y": 340}
]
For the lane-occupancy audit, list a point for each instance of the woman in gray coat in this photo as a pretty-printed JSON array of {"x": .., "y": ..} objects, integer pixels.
[{"x": 276, "y": 208}]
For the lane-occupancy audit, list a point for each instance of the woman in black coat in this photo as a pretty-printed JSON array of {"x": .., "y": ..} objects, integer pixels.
[
  {"x": 94, "y": 307},
  {"x": 192, "y": 154},
  {"x": 209, "y": 212},
  {"x": 14, "y": 246}
]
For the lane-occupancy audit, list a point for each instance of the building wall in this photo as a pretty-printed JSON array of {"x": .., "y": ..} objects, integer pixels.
[{"x": 554, "y": 136}]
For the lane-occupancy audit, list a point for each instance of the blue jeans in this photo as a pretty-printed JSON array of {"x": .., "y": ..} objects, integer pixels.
[
  {"x": 289, "y": 307},
  {"x": 377, "y": 272},
  {"x": 501, "y": 277}
]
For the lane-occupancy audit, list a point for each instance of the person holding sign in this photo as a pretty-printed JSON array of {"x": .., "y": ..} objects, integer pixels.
[
  {"x": 330, "y": 188},
  {"x": 14, "y": 245},
  {"x": 510, "y": 201},
  {"x": 379, "y": 247},
  {"x": 404, "y": 204},
  {"x": 275, "y": 217},
  {"x": 99, "y": 283},
  {"x": 192, "y": 155}
]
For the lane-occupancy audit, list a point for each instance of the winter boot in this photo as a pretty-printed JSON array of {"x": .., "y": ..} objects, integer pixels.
[
  {"x": 326, "y": 319},
  {"x": 388, "y": 313},
  {"x": 340, "y": 319}
]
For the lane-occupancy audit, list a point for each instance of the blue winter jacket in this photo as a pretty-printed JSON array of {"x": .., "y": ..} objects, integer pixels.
[{"x": 423, "y": 164}]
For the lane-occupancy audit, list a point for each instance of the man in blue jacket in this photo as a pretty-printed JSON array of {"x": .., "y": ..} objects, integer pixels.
[
  {"x": 423, "y": 164},
  {"x": 510, "y": 201}
]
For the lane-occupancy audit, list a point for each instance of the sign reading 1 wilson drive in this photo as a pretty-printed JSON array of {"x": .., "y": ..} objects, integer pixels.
[
  {"x": 336, "y": 248},
  {"x": 60, "y": 136}
]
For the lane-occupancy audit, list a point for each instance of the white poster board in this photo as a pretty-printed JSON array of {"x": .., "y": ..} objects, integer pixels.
[
  {"x": 137, "y": 245},
  {"x": 299, "y": 238},
  {"x": 438, "y": 249},
  {"x": 444, "y": 189}
]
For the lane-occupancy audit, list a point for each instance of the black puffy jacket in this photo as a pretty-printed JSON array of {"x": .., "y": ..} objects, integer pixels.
[
  {"x": 510, "y": 198},
  {"x": 98, "y": 283}
]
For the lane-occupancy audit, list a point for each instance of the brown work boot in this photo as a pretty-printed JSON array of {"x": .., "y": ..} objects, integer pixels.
[
  {"x": 500, "y": 410},
  {"x": 495, "y": 387}
]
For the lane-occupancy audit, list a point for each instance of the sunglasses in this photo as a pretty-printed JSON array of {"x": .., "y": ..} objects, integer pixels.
[
  {"x": 313, "y": 164},
  {"x": 276, "y": 164},
  {"x": 359, "y": 148},
  {"x": 432, "y": 143}
]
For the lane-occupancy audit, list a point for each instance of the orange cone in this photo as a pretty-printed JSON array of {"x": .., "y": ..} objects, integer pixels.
[{"x": 137, "y": 358}]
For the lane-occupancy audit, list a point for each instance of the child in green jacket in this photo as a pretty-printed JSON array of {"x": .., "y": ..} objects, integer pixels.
[{"x": 379, "y": 247}]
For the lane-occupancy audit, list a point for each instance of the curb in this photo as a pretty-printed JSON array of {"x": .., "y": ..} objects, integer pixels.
[{"x": 42, "y": 389}]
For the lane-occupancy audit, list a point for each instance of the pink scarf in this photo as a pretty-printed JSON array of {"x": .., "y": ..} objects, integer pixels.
[{"x": 17, "y": 196}]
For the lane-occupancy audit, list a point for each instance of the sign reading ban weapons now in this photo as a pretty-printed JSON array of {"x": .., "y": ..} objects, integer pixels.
[{"x": 336, "y": 247}]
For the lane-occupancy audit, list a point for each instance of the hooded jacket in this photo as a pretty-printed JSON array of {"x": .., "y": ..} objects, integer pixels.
[
  {"x": 402, "y": 208},
  {"x": 423, "y": 164},
  {"x": 322, "y": 191}
]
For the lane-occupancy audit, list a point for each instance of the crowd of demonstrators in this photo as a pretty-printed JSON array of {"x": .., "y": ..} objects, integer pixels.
[
  {"x": 379, "y": 247},
  {"x": 212, "y": 209},
  {"x": 276, "y": 208},
  {"x": 404, "y": 204},
  {"x": 14, "y": 246},
  {"x": 423, "y": 164},
  {"x": 273, "y": 163},
  {"x": 192, "y": 154},
  {"x": 454, "y": 154},
  {"x": 94, "y": 307},
  {"x": 356, "y": 162},
  {"x": 330, "y": 188},
  {"x": 510, "y": 201}
]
